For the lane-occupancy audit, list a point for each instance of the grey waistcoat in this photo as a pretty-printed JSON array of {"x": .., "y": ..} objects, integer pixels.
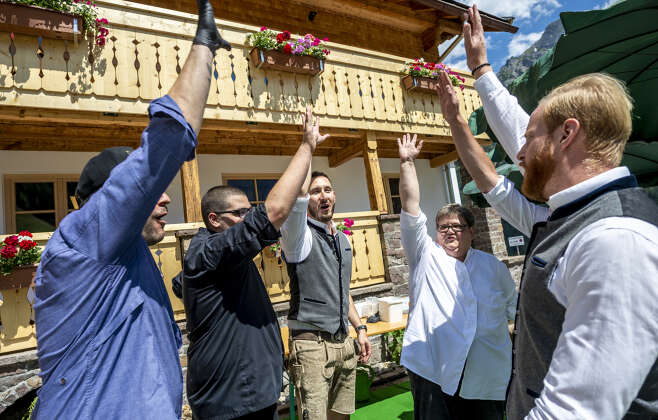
[
  {"x": 539, "y": 317},
  {"x": 320, "y": 285}
]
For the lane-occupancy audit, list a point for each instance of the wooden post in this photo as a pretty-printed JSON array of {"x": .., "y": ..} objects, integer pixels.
[
  {"x": 374, "y": 173},
  {"x": 189, "y": 176}
]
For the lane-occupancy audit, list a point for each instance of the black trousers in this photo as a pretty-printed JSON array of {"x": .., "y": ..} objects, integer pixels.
[
  {"x": 431, "y": 403},
  {"x": 267, "y": 413}
]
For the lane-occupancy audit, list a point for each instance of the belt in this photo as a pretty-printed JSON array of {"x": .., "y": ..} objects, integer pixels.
[{"x": 317, "y": 335}]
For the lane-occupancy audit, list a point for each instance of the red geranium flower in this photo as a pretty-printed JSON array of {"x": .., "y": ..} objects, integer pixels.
[
  {"x": 279, "y": 38},
  {"x": 286, "y": 35},
  {"x": 25, "y": 233},
  {"x": 287, "y": 49},
  {"x": 11, "y": 240},
  {"x": 8, "y": 251},
  {"x": 27, "y": 245},
  {"x": 326, "y": 52}
]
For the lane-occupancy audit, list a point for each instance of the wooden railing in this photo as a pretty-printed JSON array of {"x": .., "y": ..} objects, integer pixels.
[
  {"x": 146, "y": 50},
  {"x": 367, "y": 269}
]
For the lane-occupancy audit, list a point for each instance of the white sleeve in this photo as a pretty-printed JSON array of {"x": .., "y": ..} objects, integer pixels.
[
  {"x": 505, "y": 116},
  {"x": 609, "y": 338},
  {"x": 514, "y": 207},
  {"x": 296, "y": 238},
  {"x": 413, "y": 236}
]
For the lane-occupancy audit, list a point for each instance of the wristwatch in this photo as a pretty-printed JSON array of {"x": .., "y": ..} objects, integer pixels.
[{"x": 361, "y": 327}]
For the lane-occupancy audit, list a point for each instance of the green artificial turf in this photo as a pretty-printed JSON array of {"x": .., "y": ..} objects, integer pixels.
[{"x": 392, "y": 402}]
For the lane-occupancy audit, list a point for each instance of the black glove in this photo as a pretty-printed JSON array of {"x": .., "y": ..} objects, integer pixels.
[{"x": 206, "y": 31}]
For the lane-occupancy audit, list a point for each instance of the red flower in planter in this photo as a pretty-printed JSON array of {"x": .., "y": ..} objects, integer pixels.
[
  {"x": 11, "y": 240},
  {"x": 286, "y": 35},
  {"x": 27, "y": 245},
  {"x": 287, "y": 49},
  {"x": 279, "y": 38},
  {"x": 8, "y": 251},
  {"x": 25, "y": 233}
]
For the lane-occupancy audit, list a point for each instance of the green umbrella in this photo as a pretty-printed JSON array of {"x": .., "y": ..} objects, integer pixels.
[{"x": 621, "y": 40}]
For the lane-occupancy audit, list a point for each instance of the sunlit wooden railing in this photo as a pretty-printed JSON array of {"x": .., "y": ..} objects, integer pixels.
[
  {"x": 146, "y": 50},
  {"x": 367, "y": 269}
]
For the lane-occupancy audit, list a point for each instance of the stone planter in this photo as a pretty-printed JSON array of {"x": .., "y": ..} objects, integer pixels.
[
  {"x": 20, "y": 278},
  {"x": 303, "y": 64},
  {"x": 32, "y": 20},
  {"x": 419, "y": 84}
]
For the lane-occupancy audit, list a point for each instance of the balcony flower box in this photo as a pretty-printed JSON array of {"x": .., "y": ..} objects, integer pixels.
[
  {"x": 32, "y": 20},
  {"x": 421, "y": 76},
  {"x": 419, "y": 84},
  {"x": 274, "y": 60},
  {"x": 20, "y": 277}
]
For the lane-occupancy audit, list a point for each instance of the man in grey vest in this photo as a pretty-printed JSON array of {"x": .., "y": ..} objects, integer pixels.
[
  {"x": 323, "y": 356},
  {"x": 586, "y": 337}
]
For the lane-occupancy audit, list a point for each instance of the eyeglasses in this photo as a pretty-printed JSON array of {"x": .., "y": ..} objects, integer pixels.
[
  {"x": 456, "y": 228},
  {"x": 241, "y": 213}
]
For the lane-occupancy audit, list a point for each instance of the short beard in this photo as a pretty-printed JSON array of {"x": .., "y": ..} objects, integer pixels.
[
  {"x": 538, "y": 171},
  {"x": 151, "y": 234},
  {"x": 324, "y": 219}
]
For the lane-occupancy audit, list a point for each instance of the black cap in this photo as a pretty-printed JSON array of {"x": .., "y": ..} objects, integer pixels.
[{"x": 98, "y": 169}]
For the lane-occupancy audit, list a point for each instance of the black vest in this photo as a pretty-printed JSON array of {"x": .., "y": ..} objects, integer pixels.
[
  {"x": 540, "y": 316},
  {"x": 320, "y": 285}
]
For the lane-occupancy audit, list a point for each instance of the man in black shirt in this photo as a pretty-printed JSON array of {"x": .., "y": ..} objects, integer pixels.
[{"x": 235, "y": 357}]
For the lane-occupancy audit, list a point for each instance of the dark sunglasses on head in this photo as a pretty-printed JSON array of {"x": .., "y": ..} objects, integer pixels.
[
  {"x": 238, "y": 212},
  {"x": 456, "y": 228}
]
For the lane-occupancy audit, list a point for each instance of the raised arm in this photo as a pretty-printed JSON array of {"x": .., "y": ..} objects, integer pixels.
[
  {"x": 507, "y": 201},
  {"x": 504, "y": 114},
  {"x": 472, "y": 155},
  {"x": 409, "y": 190},
  {"x": 282, "y": 197}
]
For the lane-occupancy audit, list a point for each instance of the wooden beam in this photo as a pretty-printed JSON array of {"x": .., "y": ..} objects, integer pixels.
[
  {"x": 376, "y": 191},
  {"x": 490, "y": 22},
  {"x": 189, "y": 175},
  {"x": 451, "y": 47},
  {"x": 443, "y": 159},
  {"x": 341, "y": 156}
]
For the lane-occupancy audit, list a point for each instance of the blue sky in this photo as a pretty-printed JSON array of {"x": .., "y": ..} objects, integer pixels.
[{"x": 531, "y": 17}]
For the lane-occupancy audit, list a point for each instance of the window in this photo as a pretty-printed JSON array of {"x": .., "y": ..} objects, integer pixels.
[
  {"x": 37, "y": 202},
  {"x": 257, "y": 187},
  {"x": 392, "y": 186}
]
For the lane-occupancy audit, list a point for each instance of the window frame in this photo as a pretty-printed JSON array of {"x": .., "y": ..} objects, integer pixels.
[
  {"x": 59, "y": 191},
  {"x": 225, "y": 177},
  {"x": 387, "y": 189}
]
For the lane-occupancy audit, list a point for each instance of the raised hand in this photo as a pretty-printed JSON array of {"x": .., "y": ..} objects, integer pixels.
[
  {"x": 206, "y": 31},
  {"x": 408, "y": 149},
  {"x": 312, "y": 134},
  {"x": 474, "y": 42},
  {"x": 448, "y": 99}
]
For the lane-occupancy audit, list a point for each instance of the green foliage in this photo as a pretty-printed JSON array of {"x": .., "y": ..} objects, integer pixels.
[
  {"x": 393, "y": 342},
  {"x": 28, "y": 414},
  {"x": 264, "y": 40},
  {"x": 267, "y": 39}
]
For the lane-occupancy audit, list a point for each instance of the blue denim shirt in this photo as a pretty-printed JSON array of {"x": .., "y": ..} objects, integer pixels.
[{"x": 107, "y": 340}]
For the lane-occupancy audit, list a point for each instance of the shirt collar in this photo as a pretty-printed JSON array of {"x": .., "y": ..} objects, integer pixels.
[
  {"x": 323, "y": 225},
  {"x": 575, "y": 192}
]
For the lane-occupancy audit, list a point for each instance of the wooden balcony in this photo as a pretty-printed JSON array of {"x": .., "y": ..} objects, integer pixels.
[
  {"x": 367, "y": 269},
  {"x": 55, "y": 95}
]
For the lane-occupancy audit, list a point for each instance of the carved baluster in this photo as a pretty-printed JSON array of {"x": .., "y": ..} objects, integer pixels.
[
  {"x": 40, "y": 54},
  {"x": 115, "y": 62},
  {"x": 136, "y": 63},
  {"x": 91, "y": 59},
  {"x": 67, "y": 57},
  {"x": 158, "y": 67},
  {"x": 178, "y": 69},
  {"x": 235, "y": 91},
  {"x": 12, "y": 52}
]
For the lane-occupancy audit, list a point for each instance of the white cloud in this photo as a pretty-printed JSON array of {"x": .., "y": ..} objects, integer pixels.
[
  {"x": 607, "y": 4},
  {"x": 521, "y": 42},
  {"x": 520, "y": 9},
  {"x": 457, "y": 58}
]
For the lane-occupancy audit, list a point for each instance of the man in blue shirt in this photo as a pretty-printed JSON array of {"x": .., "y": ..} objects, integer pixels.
[{"x": 107, "y": 340}]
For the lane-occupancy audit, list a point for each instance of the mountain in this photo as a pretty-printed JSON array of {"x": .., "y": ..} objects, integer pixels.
[{"x": 516, "y": 66}]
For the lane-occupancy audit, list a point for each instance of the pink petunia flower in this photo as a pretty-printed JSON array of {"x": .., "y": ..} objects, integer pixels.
[{"x": 263, "y": 28}]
